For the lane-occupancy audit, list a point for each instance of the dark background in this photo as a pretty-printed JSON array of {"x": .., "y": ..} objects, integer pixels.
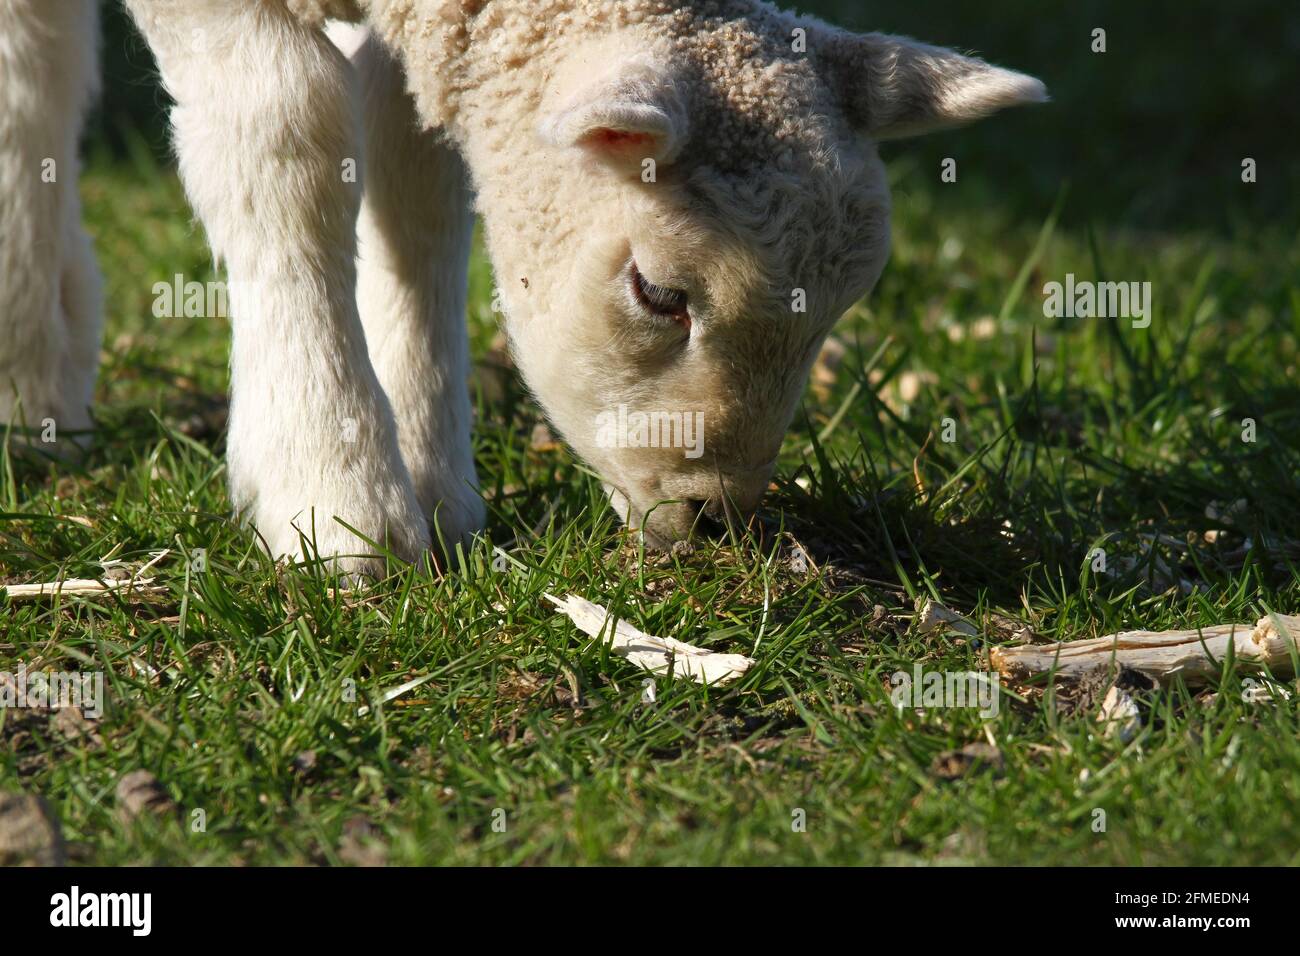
[{"x": 1149, "y": 135}]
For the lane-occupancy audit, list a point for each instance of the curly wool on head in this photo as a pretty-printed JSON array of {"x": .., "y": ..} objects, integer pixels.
[{"x": 757, "y": 101}]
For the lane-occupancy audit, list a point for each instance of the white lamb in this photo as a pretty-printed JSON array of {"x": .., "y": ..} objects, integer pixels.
[{"x": 679, "y": 199}]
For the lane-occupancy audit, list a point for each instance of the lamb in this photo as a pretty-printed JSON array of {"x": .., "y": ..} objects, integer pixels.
[{"x": 679, "y": 200}]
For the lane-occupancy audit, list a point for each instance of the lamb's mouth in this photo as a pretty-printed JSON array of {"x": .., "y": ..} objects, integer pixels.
[{"x": 634, "y": 517}]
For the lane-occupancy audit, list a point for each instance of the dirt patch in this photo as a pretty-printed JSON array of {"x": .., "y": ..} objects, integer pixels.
[{"x": 29, "y": 832}]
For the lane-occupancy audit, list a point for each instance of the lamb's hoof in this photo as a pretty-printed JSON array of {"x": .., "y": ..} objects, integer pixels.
[
  {"x": 348, "y": 555},
  {"x": 457, "y": 520},
  {"x": 47, "y": 436}
]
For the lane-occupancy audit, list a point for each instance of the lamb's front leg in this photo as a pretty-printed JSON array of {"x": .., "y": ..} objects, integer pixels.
[
  {"x": 415, "y": 231},
  {"x": 265, "y": 125},
  {"x": 49, "y": 284}
]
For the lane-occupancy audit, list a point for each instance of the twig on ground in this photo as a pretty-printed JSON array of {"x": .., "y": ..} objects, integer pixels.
[
  {"x": 659, "y": 655},
  {"x": 135, "y": 584},
  {"x": 1194, "y": 655}
]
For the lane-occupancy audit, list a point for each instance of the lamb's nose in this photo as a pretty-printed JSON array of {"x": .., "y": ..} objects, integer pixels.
[
  {"x": 709, "y": 518},
  {"x": 729, "y": 499},
  {"x": 713, "y": 514}
]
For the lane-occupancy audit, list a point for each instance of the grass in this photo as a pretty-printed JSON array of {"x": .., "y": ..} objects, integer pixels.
[{"x": 235, "y": 687}]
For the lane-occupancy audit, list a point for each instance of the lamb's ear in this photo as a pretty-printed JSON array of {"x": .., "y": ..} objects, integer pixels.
[
  {"x": 638, "y": 113},
  {"x": 893, "y": 86}
]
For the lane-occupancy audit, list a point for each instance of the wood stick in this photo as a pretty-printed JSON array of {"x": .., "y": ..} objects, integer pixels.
[
  {"x": 1195, "y": 655},
  {"x": 80, "y": 587},
  {"x": 659, "y": 655}
]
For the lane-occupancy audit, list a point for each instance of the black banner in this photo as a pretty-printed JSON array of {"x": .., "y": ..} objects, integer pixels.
[{"x": 375, "y": 906}]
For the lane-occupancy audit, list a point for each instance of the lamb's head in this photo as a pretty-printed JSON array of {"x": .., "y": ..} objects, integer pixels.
[{"x": 678, "y": 213}]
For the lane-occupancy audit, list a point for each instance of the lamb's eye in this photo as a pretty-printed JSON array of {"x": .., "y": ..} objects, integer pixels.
[{"x": 668, "y": 303}]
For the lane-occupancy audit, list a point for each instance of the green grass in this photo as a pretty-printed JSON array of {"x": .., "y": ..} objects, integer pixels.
[{"x": 1069, "y": 435}]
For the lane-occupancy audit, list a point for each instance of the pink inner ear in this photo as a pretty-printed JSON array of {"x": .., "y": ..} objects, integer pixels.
[{"x": 619, "y": 140}]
